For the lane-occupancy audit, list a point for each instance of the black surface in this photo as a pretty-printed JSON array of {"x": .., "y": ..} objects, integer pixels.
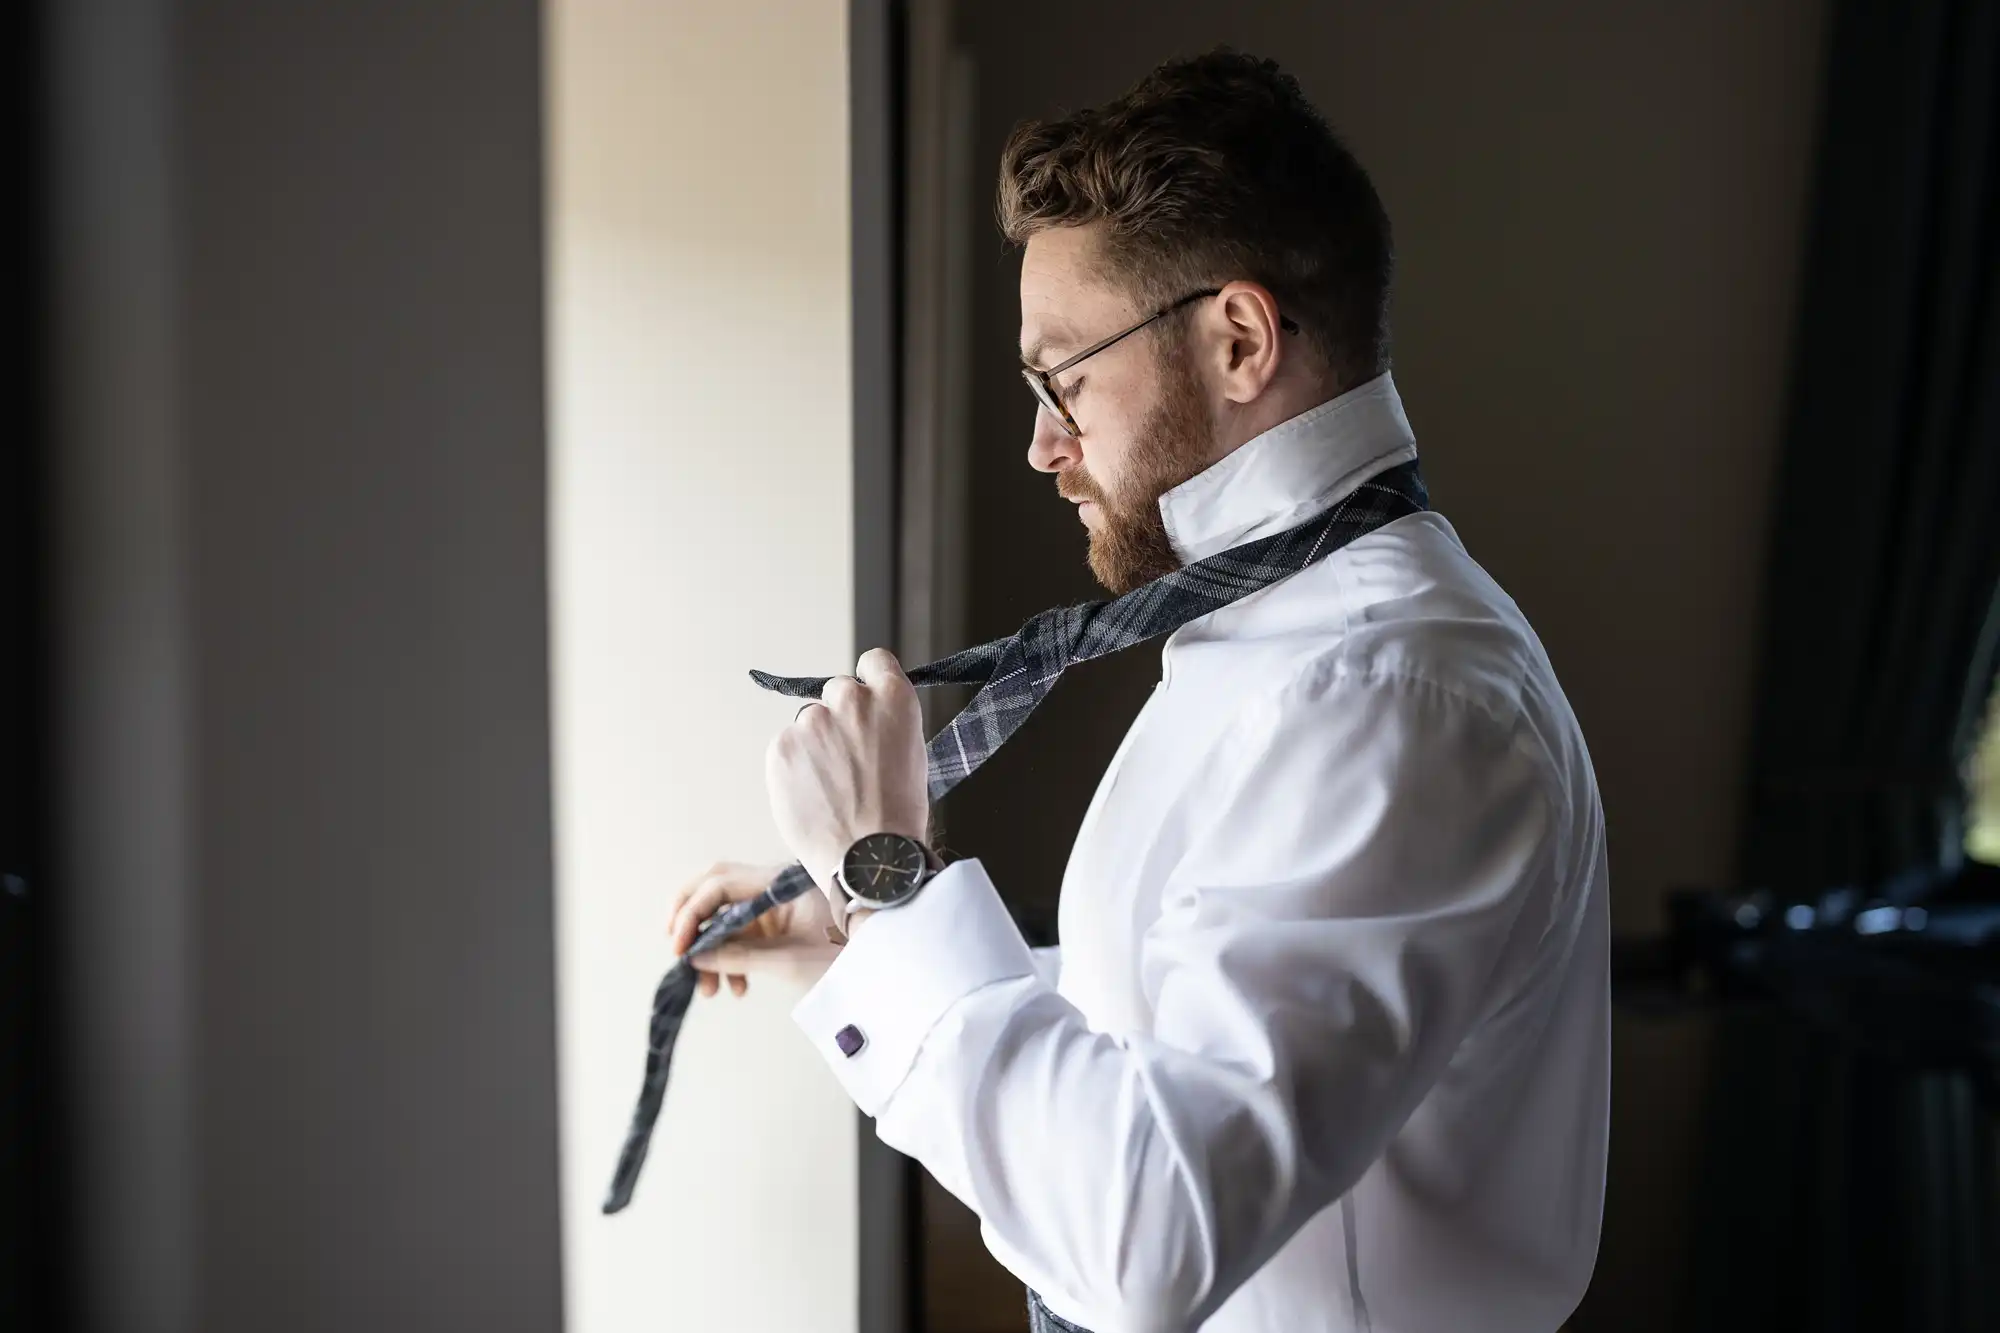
[
  {"x": 31, "y": 1262},
  {"x": 890, "y": 1289}
]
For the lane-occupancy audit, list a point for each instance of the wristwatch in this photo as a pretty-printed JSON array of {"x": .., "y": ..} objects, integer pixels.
[{"x": 880, "y": 871}]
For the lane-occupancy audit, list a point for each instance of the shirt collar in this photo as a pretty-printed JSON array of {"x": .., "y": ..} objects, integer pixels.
[{"x": 1292, "y": 471}]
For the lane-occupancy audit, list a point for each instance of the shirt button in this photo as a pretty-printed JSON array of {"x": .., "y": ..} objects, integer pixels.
[{"x": 850, "y": 1040}]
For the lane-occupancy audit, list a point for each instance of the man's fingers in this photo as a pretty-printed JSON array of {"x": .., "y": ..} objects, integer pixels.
[
  {"x": 709, "y": 895},
  {"x": 721, "y": 884},
  {"x": 731, "y": 957},
  {"x": 878, "y": 667},
  {"x": 839, "y": 693},
  {"x": 750, "y": 958},
  {"x": 878, "y": 670},
  {"x": 709, "y": 984}
]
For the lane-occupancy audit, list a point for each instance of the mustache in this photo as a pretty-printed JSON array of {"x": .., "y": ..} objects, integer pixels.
[{"x": 1076, "y": 484}]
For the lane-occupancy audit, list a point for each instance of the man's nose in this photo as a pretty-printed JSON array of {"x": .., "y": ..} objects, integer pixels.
[{"x": 1051, "y": 448}]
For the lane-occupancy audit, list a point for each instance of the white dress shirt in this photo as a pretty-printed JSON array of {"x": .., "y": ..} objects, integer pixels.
[{"x": 1327, "y": 1042}]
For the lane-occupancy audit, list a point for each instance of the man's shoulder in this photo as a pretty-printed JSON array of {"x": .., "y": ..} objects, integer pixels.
[{"x": 1406, "y": 609}]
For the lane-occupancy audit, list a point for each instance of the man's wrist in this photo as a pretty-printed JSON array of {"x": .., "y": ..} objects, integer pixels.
[{"x": 856, "y": 913}]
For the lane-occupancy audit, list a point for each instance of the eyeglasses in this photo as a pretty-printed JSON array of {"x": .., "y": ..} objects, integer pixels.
[{"x": 1042, "y": 382}]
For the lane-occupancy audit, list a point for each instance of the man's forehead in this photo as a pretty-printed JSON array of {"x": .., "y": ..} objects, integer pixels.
[{"x": 1063, "y": 292}]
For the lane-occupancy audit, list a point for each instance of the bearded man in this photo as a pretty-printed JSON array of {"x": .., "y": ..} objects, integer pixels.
[{"x": 1325, "y": 1044}]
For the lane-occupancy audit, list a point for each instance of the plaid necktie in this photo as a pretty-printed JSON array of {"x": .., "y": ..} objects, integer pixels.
[
  {"x": 1015, "y": 674},
  {"x": 1041, "y": 1319}
]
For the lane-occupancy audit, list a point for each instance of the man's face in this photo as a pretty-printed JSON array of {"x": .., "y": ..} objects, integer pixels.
[{"x": 1146, "y": 421}]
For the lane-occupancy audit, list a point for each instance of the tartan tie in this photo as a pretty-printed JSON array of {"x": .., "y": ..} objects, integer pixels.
[
  {"x": 1041, "y": 1319},
  {"x": 1014, "y": 675}
]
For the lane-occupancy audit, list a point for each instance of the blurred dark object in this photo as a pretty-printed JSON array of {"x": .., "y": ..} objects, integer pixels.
[
  {"x": 1848, "y": 1167},
  {"x": 1908, "y": 977},
  {"x": 1854, "y": 1127}
]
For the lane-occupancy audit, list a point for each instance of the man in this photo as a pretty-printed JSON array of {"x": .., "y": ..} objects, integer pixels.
[{"x": 1326, "y": 1043}]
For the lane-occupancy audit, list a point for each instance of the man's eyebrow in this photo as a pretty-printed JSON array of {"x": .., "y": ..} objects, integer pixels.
[{"x": 1059, "y": 335}]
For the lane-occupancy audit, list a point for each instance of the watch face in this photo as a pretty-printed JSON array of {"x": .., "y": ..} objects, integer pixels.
[{"x": 884, "y": 868}]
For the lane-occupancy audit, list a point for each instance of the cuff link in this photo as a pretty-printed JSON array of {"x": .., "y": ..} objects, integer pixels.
[{"x": 850, "y": 1040}]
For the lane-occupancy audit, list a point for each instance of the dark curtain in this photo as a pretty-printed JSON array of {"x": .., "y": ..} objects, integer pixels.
[
  {"x": 1885, "y": 543},
  {"x": 1846, "y": 1190}
]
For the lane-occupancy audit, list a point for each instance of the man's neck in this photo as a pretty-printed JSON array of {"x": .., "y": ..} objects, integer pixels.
[
  {"x": 1285, "y": 473},
  {"x": 1284, "y": 398}
]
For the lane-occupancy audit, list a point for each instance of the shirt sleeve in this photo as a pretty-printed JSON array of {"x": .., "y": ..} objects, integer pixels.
[{"x": 1358, "y": 861}]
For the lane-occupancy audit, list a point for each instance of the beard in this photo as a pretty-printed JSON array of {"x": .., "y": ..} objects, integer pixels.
[{"x": 1129, "y": 548}]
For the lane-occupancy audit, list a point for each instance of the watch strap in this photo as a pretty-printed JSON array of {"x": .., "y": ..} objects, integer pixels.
[{"x": 841, "y": 904}]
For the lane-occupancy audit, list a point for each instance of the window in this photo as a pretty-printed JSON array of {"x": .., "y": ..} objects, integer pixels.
[{"x": 1982, "y": 785}]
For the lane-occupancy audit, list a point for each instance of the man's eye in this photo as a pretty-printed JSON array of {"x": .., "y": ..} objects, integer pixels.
[{"x": 1069, "y": 390}]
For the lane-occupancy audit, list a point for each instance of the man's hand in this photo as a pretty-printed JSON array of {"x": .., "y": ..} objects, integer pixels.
[
  {"x": 850, "y": 765},
  {"x": 790, "y": 940}
]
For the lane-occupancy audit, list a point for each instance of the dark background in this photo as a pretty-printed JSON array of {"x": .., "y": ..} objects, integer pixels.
[{"x": 281, "y": 281}]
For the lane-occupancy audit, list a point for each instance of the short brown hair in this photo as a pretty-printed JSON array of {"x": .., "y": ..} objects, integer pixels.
[{"x": 1212, "y": 169}]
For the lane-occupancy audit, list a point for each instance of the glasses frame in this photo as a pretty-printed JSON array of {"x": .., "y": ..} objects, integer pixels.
[{"x": 1042, "y": 382}]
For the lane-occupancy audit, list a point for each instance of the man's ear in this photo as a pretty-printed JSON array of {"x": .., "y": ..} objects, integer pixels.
[{"x": 1251, "y": 347}]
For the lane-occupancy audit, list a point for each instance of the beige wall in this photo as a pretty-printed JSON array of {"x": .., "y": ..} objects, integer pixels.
[
  {"x": 1597, "y": 209},
  {"x": 700, "y": 525}
]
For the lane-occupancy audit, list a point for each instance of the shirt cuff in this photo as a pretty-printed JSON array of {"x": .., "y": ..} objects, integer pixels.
[{"x": 870, "y": 1012}]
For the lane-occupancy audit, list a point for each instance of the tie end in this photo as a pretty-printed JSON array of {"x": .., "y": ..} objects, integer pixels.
[{"x": 793, "y": 687}]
